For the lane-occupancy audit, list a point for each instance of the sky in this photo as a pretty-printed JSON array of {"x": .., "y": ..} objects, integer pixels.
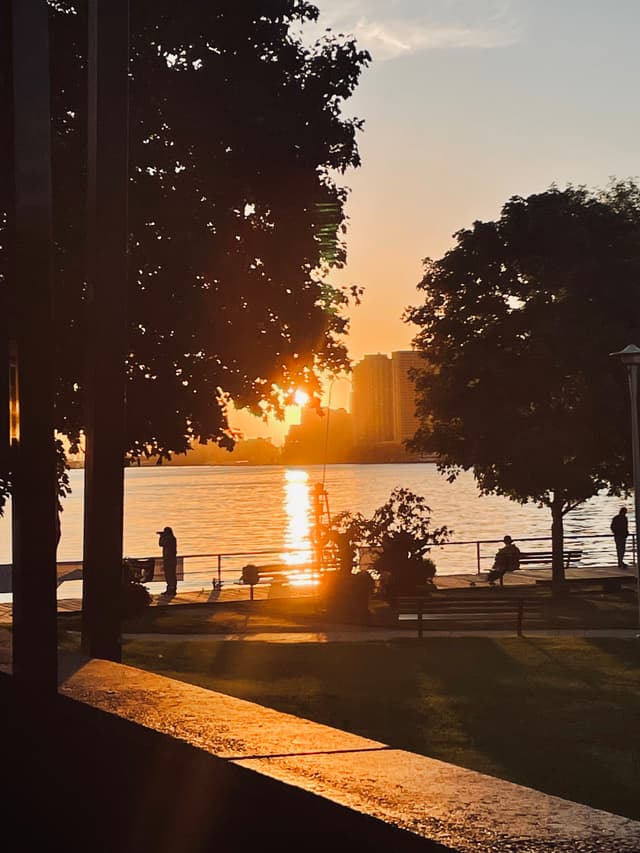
[{"x": 467, "y": 103}]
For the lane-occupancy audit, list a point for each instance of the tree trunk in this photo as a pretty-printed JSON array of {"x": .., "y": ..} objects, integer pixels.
[{"x": 557, "y": 547}]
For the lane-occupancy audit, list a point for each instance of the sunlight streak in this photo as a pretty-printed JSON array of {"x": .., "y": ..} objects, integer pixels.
[{"x": 297, "y": 508}]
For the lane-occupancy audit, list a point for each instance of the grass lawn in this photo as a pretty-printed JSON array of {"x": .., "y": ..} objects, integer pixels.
[{"x": 559, "y": 715}]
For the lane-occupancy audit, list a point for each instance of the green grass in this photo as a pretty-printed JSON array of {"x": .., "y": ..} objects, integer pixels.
[{"x": 559, "y": 715}]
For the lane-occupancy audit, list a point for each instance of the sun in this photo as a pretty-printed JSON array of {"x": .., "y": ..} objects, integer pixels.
[{"x": 301, "y": 398}]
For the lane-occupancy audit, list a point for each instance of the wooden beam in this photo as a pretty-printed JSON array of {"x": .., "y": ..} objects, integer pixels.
[
  {"x": 107, "y": 277},
  {"x": 32, "y": 335}
]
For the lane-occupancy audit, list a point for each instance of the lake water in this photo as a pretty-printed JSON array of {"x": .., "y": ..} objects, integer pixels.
[{"x": 238, "y": 509}]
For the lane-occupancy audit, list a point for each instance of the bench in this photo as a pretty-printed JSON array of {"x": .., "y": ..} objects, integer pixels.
[
  {"x": 146, "y": 569},
  {"x": 459, "y": 612},
  {"x": 252, "y": 574},
  {"x": 277, "y": 573},
  {"x": 607, "y": 583},
  {"x": 139, "y": 570},
  {"x": 542, "y": 558}
]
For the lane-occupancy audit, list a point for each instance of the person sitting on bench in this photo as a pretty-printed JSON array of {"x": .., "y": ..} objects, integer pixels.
[{"x": 507, "y": 560}]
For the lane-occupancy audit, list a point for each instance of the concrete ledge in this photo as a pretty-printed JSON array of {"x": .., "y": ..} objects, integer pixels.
[
  {"x": 434, "y": 802},
  {"x": 76, "y": 779}
]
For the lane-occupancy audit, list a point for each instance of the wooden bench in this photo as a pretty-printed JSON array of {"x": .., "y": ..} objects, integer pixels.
[
  {"x": 542, "y": 558},
  {"x": 139, "y": 570},
  {"x": 277, "y": 573},
  {"x": 459, "y": 612},
  {"x": 607, "y": 583}
]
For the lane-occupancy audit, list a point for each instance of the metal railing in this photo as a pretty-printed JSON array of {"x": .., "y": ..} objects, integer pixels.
[
  {"x": 593, "y": 553},
  {"x": 467, "y": 556},
  {"x": 455, "y": 557}
]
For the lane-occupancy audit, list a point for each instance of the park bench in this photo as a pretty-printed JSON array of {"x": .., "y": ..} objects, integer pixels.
[
  {"x": 146, "y": 569},
  {"x": 139, "y": 570},
  {"x": 542, "y": 558},
  {"x": 274, "y": 574},
  {"x": 459, "y": 612},
  {"x": 607, "y": 583},
  {"x": 277, "y": 572},
  {"x": 545, "y": 557}
]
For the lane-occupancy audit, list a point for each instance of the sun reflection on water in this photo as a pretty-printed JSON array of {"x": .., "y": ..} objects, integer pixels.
[{"x": 297, "y": 504}]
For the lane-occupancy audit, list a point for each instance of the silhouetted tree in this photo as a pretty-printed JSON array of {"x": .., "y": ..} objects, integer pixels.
[
  {"x": 401, "y": 536},
  {"x": 236, "y": 139},
  {"x": 518, "y": 324}
]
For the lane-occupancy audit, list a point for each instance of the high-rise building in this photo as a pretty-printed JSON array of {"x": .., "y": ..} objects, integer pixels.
[
  {"x": 405, "y": 421},
  {"x": 383, "y": 399},
  {"x": 372, "y": 399},
  {"x": 322, "y": 436}
]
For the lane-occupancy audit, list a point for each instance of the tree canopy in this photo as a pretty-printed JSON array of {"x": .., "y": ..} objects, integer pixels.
[
  {"x": 517, "y": 327},
  {"x": 237, "y": 141}
]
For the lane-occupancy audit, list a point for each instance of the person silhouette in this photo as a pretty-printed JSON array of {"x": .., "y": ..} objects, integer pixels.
[
  {"x": 620, "y": 530},
  {"x": 169, "y": 546},
  {"x": 507, "y": 559}
]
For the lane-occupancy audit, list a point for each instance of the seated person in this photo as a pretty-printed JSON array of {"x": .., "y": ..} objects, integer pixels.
[{"x": 507, "y": 560}]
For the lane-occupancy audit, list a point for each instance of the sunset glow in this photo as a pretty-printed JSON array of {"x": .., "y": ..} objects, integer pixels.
[
  {"x": 297, "y": 507},
  {"x": 301, "y": 397}
]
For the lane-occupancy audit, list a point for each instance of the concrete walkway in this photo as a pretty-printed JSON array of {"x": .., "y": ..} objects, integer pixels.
[
  {"x": 523, "y": 579},
  {"x": 380, "y": 635}
]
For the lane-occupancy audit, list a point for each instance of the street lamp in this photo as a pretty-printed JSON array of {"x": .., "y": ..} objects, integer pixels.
[{"x": 630, "y": 356}]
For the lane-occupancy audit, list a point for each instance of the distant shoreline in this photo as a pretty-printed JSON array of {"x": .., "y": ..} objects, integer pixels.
[{"x": 280, "y": 464}]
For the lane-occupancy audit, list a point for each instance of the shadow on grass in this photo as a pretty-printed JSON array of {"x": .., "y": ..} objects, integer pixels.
[
  {"x": 553, "y": 715},
  {"x": 556, "y": 715}
]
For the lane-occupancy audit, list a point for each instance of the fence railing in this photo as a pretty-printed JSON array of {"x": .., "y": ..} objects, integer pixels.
[
  {"x": 455, "y": 557},
  {"x": 466, "y": 556},
  {"x": 225, "y": 567},
  {"x": 598, "y": 549}
]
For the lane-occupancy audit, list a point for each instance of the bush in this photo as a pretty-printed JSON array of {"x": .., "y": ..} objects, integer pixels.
[
  {"x": 345, "y": 596},
  {"x": 400, "y": 530},
  {"x": 135, "y": 599}
]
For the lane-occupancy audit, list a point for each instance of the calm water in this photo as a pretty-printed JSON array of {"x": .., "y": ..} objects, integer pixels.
[{"x": 227, "y": 509}]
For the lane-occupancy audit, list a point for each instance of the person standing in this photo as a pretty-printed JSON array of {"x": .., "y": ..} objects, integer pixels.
[
  {"x": 169, "y": 546},
  {"x": 620, "y": 530}
]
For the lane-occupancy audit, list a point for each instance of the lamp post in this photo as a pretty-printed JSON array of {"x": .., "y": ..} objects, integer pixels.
[{"x": 630, "y": 357}]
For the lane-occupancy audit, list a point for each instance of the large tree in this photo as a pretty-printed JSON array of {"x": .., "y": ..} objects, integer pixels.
[
  {"x": 236, "y": 215},
  {"x": 517, "y": 326}
]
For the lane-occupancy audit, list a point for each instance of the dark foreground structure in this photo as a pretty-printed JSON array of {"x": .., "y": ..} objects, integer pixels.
[
  {"x": 79, "y": 779},
  {"x": 98, "y": 757},
  {"x": 126, "y": 760}
]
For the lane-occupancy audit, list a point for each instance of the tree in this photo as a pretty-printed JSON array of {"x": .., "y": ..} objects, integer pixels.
[
  {"x": 517, "y": 327},
  {"x": 401, "y": 536},
  {"x": 236, "y": 218}
]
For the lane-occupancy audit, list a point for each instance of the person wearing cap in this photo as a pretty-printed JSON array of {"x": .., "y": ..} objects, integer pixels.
[
  {"x": 169, "y": 546},
  {"x": 620, "y": 530},
  {"x": 506, "y": 560}
]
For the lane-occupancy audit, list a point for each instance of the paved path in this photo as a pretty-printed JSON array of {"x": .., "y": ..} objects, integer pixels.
[
  {"x": 522, "y": 579},
  {"x": 338, "y": 635},
  {"x": 379, "y": 635}
]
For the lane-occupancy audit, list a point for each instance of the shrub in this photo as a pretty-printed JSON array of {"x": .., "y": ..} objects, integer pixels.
[
  {"x": 135, "y": 599},
  {"x": 400, "y": 531}
]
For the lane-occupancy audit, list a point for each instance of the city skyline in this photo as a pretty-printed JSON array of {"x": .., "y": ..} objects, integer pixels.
[
  {"x": 465, "y": 104},
  {"x": 393, "y": 365}
]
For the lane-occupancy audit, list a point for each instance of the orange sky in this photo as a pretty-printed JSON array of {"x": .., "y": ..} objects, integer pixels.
[{"x": 465, "y": 104}]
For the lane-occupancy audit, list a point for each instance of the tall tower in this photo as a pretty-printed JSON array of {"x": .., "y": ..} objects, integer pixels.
[
  {"x": 372, "y": 399},
  {"x": 405, "y": 421}
]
